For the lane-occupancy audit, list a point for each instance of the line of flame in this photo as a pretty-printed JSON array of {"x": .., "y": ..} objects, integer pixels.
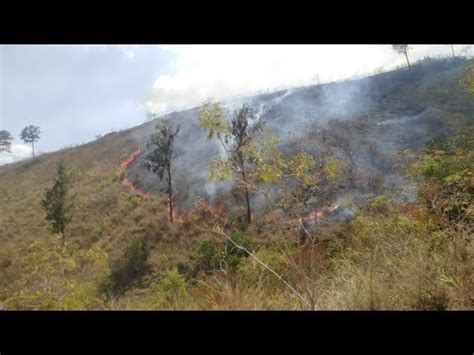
[{"x": 215, "y": 212}]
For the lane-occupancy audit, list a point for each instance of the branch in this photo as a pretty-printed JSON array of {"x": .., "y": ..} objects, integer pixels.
[{"x": 266, "y": 267}]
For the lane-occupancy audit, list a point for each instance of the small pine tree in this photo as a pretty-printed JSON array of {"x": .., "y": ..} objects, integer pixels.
[{"x": 55, "y": 202}]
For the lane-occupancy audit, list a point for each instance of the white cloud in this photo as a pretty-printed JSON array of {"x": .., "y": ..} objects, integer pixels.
[
  {"x": 126, "y": 49},
  {"x": 18, "y": 152},
  {"x": 222, "y": 71}
]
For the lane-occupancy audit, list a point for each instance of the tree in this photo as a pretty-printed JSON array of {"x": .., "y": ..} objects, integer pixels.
[
  {"x": 237, "y": 136},
  {"x": 403, "y": 49},
  {"x": 55, "y": 202},
  {"x": 5, "y": 141},
  {"x": 31, "y": 134},
  {"x": 160, "y": 155}
]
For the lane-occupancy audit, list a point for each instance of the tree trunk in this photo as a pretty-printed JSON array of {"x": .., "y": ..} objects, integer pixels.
[
  {"x": 408, "y": 61},
  {"x": 33, "y": 148},
  {"x": 247, "y": 199},
  {"x": 452, "y": 50},
  {"x": 170, "y": 194}
]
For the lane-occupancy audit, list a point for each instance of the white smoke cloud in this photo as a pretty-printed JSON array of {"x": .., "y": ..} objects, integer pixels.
[
  {"x": 203, "y": 72},
  {"x": 18, "y": 152}
]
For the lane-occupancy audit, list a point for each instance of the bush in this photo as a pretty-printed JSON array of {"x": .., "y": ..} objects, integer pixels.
[
  {"x": 98, "y": 229},
  {"x": 129, "y": 269},
  {"x": 172, "y": 287},
  {"x": 446, "y": 176},
  {"x": 213, "y": 256},
  {"x": 380, "y": 204},
  {"x": 253, "y": 271},
  {"x": 208, "y": 256},
  {"x": 133, "y": 201},
  {"x": 234, "y": 255}
]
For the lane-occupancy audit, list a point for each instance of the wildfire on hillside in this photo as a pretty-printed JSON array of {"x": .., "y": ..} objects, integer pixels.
[
  {"x": 126, "y": 182},
  {"x": 215, "y": 212}
]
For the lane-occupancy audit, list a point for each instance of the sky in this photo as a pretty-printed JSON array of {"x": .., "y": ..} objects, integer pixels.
[{"x": 75, "y": 93}]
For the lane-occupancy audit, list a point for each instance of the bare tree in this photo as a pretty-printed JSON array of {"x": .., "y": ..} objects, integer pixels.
[
  {"x": 452, "y": 50},
  {"x": 5, "y": 141},
  {"x": 30, "y": 134},
  {"x": 160, "y": 155},
  {"x": 403, "y": 49}
]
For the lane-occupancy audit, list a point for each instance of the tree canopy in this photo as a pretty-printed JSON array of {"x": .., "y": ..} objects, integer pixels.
[
  {"x": 5, "y": 141},
  {"x": 31, "y": 134}
]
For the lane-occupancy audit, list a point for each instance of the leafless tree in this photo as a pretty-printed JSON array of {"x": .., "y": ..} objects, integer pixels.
[{"x": 452, "y": 50}]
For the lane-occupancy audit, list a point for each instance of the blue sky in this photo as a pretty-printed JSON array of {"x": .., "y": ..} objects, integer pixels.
[{"x": 75, "y": 93}]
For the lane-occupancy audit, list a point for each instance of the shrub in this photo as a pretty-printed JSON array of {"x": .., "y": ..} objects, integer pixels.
[
  {"x": 213, "y": 256},
  {"x": 129, "y": 269},
  {"x": 133, "y": 201},
  {"x": 234, "y": 255},
  {"x": 253, "y": 271},
  {"x": 172, "y": 287},
  {"x": 208, "y": 256},
  {"x": 380, "y": 204},
  {"x": 438, "y": 240},
  {"x": 98, "y": 229}
]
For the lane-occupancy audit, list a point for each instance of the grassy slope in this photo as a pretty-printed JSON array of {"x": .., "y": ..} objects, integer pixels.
[{"x": 105, "y": 216}]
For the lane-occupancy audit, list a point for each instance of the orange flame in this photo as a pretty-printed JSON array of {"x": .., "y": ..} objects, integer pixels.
[
  {"x": 125, "y": 163},
  {"x": 319, "y": 214},
  {"x": 218, "y": 214},
  {"x": 126, "y": 182},
  {"x": 176, "y": 216},
  {"x": 214, "y": 211}
]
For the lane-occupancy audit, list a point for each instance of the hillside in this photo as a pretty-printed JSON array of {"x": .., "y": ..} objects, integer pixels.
[
  {"x": 122, "y": 252},
  {"x": 362, "y": 122}
]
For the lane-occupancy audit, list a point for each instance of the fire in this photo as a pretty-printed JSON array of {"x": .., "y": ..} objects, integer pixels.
[
  {"x": 129, "y": 184},
  {"x": 176, "y": 216},
  {"x": 214, "y": 211},
  {"x": 320, "y": 213},
  {"x": 125, "y": 163},
  {"x": 126, "y": 182}
]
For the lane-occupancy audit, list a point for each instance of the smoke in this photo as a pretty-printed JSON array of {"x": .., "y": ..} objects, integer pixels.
[
  {"x": 227, "y": 71},
  {"x": 363, "y": 122},
  {"x": 18, "y": 152},
  {"x": 222, "y": 72}
]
